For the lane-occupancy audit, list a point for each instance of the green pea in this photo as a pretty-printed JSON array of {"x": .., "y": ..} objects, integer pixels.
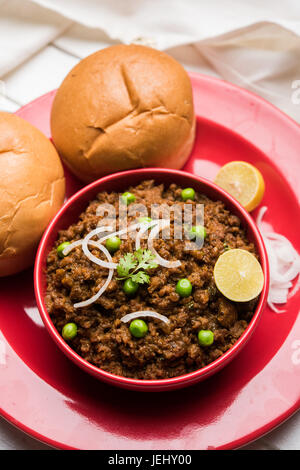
[
  {"x": 198, "y": 231},
  {"x": 188, "y": 193},
  {"x": 113, "y": 244},
  {"x": 127, "y": 198},
  {"x": 130, "y": 287},
  {"x": 61, "y": 248},
  {"x": 144, "y": 220},
  {"x": 205, "y": 337},
  {"x": 184, "y": 288},
  {"x": 69, "y": 331},
  {"x": 138, "y": 328}
]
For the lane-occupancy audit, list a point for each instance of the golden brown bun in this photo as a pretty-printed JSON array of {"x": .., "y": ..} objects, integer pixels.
[
  {"x": 123, "y": 107},
  {"x": 32, "y": 188}
]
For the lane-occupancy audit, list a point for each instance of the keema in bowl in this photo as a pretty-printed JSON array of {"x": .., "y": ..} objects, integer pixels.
[{"x": 141, "y": 308}]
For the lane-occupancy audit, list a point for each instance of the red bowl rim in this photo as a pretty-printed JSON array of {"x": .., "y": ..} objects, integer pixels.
[{"x": 161, "y": 383}]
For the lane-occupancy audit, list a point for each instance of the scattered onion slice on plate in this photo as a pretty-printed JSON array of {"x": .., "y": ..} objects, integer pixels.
[
  {"x": 161, "y": 224},
  {"x": 144, "y": 313},
  {"x": 284, "y": 263},
  {"x": 102, "y": 289}
]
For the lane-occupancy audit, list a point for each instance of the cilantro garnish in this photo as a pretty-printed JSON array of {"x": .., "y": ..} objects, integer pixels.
[{"x": 134, "y": 265}]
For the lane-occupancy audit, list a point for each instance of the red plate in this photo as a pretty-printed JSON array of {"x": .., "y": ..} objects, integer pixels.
[{"x": 46, "y": 395}]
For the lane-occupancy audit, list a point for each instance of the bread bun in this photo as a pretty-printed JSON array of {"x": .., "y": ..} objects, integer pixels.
[
  {"x": 32, "y": 189},
  {"x": 123, "y": 107}
]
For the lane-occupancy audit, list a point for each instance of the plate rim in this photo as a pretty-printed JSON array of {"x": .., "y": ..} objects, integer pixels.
[{"x": 264, "y": 429}]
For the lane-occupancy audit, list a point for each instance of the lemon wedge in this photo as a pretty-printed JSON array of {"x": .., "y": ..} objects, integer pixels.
[
  {"x": 238, "y": 275},
  {"x": 244, "y": 182}
]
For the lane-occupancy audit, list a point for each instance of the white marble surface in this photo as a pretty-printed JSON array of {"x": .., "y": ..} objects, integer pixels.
[{"x": 43, "y": 72}]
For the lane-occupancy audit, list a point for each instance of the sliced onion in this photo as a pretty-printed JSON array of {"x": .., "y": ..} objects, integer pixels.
[
  {"x": 278, "y": 295},
  {"x": 156, "y": 225},
  {"x": 275, "y": 275},
  {"x": 275, "y": 309},
  {"x": 144, "y": 313},
  {"x": 86, "y": 241},
  {"x": 260, "y": 216},
  {"x": 73, "y": 245},
  {"x": 295, "y": 288},
  {"x": 128, "y": 229},
  {"x": 284, "y": 263},
  {"x": 102, "y": 289},
  {"x": 145, "y": 227},
  {"x": 161, "y": 224},
  {"x": 283, "y": 285},
  {"x": 284, "y": 254}
]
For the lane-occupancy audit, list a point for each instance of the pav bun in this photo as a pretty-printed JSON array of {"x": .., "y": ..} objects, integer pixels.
[
  {"x": 32, "y": 189},
  {"x": 125, "y": 106}
]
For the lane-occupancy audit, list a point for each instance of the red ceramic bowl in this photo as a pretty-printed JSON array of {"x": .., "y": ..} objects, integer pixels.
[{"x": 69, "y": 213}]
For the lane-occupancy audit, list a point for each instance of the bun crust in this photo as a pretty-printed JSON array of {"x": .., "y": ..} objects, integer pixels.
[
  {"x": 32, "y": 189},
  {"x": 123, "y": 107}
]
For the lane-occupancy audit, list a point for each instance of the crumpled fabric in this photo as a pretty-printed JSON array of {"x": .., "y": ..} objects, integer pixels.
[{"x": 253, "y": 44}]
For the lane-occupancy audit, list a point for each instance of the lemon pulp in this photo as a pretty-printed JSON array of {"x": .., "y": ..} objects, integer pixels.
[
  {"x": 243, "y": 181},
  {"x": 238, "y": 275}
]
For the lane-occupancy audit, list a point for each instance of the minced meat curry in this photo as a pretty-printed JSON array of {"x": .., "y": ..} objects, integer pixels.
[{"x": 164, "y": 350}]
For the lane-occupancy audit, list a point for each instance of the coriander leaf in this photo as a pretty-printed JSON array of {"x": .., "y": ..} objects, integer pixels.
[
  {"x": 139, "y": 254},
  {"x": 140, "y": 278},
  {"x": 126, "y": 263},
  {"x": 146, "y": 259},
  {"x": 152, "y": 265},
  {"x": 132, "y": 265}
]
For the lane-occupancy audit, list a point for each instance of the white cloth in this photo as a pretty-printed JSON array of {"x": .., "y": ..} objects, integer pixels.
[
  {"x": 25, "y": 28},
  {"x": 251, "y": 43},
  {"x": 174, "y": 22}
]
